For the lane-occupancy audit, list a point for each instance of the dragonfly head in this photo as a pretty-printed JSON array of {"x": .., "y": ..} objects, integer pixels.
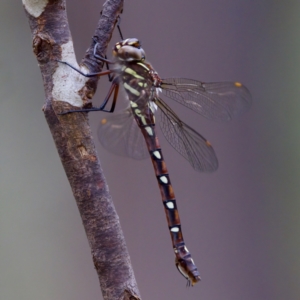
[{"x": 129, "y": 50}]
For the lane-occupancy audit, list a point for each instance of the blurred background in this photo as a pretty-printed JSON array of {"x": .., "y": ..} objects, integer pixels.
[{"x": 241, "y": 223}]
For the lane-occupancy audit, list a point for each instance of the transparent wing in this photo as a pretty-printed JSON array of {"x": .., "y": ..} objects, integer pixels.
[
  {"x": 220, "y": 101},
  {"x": 186, "y": 141},
  {"x": 120, "y": 134}
]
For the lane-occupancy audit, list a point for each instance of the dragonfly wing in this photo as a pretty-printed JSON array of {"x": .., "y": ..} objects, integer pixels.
[
  {"x": 220, "y": 101},
  {"x": 186, "y": 141},
  {"x": 120, "y": 134}
]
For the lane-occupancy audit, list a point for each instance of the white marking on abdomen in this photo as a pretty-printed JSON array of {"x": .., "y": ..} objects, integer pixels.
[
  {"x": 149, "y": 130},
  {"x": 163, "y": 179},
  {"x": 170, "y": 205},
  {"x": 175, "y": 229},
  {"x": 157, "y": 154}
]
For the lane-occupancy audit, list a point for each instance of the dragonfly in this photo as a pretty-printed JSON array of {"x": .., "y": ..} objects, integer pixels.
[{"x": 131, "y": 132}]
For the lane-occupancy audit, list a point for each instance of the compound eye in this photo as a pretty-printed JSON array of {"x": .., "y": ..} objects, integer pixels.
[{"x": 135, "y": 44}]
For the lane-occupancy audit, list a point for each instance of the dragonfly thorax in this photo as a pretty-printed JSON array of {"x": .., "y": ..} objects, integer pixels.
[{"x": 129, "y": 50}]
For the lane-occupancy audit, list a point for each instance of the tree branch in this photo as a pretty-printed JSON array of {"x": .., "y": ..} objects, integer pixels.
[{"x": 64, "y": 89}]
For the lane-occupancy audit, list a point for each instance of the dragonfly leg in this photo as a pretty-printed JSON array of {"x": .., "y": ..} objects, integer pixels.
[
  {"x": 104, "y": 59},
  {"x": 119, "y": 28},
  {"x": 113, "y": 88},
  {"x": 84, "y": 74},
  {"x": 110, "y": 77}
]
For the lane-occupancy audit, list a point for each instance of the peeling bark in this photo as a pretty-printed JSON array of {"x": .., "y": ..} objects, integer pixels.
[{"x": 73, "y": 139}]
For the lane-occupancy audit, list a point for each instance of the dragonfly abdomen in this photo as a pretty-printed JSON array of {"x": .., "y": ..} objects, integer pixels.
[{"x": 183, "y": 259}]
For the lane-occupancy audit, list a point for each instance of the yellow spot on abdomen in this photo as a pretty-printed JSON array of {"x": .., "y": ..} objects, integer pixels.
[{"x": 237, "y": 84}]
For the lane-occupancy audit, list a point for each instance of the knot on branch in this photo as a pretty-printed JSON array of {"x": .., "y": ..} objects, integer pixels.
[
  {"x": 129, "y": 295},
  {"x": 42, "y": 45}
]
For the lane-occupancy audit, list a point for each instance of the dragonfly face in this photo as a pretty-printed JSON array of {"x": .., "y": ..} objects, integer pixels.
[{"x": 129, "y": 50}]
